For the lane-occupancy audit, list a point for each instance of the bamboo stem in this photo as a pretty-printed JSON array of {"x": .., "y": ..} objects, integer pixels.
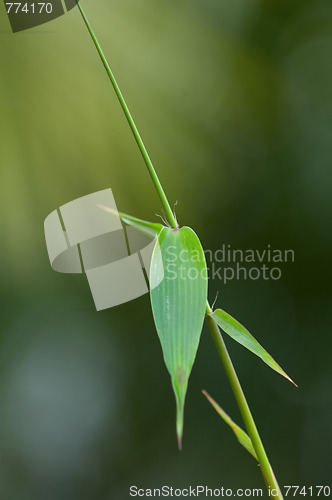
[
  {"x": 155, "y": 179},
  {"x": 218, "y": 340},
  {"x": 242, "y": 404}
]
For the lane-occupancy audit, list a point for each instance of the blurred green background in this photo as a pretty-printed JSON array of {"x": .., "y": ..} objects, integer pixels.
[{"x": 234, "y": 102}]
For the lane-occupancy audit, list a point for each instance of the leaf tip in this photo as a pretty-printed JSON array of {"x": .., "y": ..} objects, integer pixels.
[
  {"x": 179, "y": 428},
  {"x": 107, "y": 209},
  {"x": 292, "y": 381},
  {"x": 102, "y": 207},
  {"x": 206, "y": 394},
  {"x": 287, "y": 377},
  {"x": 180, "y": 394}
]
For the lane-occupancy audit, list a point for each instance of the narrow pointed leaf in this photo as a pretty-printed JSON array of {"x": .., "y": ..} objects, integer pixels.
[
  {"x": 239, "y": 333},
  {"x": 242, "y": 437},
  {"x": 150, "y": 228},
  {"x": 178, "y": 299}
]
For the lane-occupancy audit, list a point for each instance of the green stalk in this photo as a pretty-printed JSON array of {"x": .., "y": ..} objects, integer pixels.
[
  {"x": 161, "y": 193},
  {"x": 242, "y": 404},
  {"x": 219, "y": 342}
]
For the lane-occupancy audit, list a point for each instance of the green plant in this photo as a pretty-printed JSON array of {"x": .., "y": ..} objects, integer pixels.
[{"x": 179, "y": 305}]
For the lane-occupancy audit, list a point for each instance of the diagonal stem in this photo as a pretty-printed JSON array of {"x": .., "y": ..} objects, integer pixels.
[
  {"x": 243, "y": 405},
  {"x": 155, "y": 179},
  {"x": 219, "y": 342}
]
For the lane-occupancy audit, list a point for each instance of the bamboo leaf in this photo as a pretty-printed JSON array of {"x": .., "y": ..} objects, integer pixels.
[
  {"x": 242, "y": 437},
  {"x": 150, "y": 228},
  {"x": 178, "y": 298},
  {"x": 239, "y": 333}
]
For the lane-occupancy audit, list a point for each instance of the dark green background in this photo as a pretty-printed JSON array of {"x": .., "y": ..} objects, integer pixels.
[{"x": 234, "y": 102}]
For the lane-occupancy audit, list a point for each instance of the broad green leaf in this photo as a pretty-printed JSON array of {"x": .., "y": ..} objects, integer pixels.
[
  {"x": 239, "y": 333},
  {"x": 242, "y": 437},
  {"x": 178, "y": 298},
  {"x": 150, "y": 228}
]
